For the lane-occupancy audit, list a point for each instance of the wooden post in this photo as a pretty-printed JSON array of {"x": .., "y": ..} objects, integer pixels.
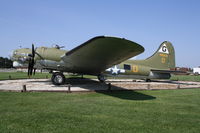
[
  {"x": 148, "y": 87},
  {"x": 69, "y": 88},
  {"x": 23, "y": 88},
  {"x": 178, "y": 87}
]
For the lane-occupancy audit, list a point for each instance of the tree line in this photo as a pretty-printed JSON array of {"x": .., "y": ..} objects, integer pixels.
[{"x": 5, "y": 63}]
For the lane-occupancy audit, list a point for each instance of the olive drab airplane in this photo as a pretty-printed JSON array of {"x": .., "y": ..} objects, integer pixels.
[
  {"x": 159, "y": 66},
  {"x": 92, "y": 57},
  {"x": 101, "y": 56}
]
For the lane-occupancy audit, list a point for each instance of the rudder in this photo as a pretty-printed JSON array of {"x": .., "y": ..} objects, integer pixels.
[{"x": 163, "y": 58}]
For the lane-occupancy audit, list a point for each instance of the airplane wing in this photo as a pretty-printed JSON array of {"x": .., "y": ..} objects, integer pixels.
[{"x": 100, "y": 53}]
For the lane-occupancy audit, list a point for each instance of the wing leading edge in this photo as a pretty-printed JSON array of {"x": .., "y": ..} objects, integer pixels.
[{"x": 99, "y": 53}]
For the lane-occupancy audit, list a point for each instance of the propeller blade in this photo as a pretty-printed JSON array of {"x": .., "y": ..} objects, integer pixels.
[
  {"x": 29, "y": 65},
  {"x": 28, "y": 71},
  {"x": 31, "y": 62},
  {"x": 34, "y": 71},
  {"x": 33, "y": 51},
  {"x": 31, "y": 71}
]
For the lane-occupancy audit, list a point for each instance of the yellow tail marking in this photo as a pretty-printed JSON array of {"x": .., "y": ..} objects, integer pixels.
[
  {"x": 164, "y": 55},
  {"x": 163, "y": 60}
]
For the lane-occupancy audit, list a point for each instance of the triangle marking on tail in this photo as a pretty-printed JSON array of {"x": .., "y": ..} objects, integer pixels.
[{"x": 163, "y": 49}]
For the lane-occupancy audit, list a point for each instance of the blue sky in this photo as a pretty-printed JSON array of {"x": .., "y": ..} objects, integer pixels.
[{"x": 72, "y": 22}]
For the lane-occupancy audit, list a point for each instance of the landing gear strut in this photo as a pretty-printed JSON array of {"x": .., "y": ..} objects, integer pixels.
[
  {"x": 147, "y": 80},
  {"x": 101, "y": 78},
  {"x": 58, "y": 78}
]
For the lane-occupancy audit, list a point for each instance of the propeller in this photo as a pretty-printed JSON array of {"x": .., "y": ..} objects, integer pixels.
[{"x": 31, "y": 61}]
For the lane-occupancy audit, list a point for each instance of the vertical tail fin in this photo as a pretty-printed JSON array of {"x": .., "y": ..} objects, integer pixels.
[{"x": 163, "y": 58}]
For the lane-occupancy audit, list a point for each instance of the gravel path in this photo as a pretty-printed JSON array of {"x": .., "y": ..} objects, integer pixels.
[{"x": 81, "y": 85}]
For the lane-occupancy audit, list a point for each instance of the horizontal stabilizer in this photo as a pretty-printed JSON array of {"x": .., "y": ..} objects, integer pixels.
[{"x": 168, "y": 71}]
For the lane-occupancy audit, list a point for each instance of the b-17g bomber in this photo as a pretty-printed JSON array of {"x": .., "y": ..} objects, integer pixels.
[
  {"x": 100, "y": 56},
  {"x": 92, "y": 57}
]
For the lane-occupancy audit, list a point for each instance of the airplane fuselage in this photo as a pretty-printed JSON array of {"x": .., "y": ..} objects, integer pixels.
[{"x": 131, "y": 69}]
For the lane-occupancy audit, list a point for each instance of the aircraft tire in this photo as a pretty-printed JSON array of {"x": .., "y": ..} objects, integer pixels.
[
  {"x": 58, "y": 79},
  {"x": 101, "y": 78},
  {"x": 147, "y": 80},
  {"x": 196, "y": 73}
]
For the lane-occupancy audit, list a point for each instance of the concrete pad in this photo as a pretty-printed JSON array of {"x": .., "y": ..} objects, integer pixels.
[{"x": 85, "y": 85}]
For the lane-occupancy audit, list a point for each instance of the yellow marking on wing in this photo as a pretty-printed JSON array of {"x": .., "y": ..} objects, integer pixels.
[{"x": 135, "y": 68}]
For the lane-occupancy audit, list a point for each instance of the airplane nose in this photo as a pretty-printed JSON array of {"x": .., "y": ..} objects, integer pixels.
[
  {"x": 17, "y": 56},
  {"x": 16, "y": 64}
]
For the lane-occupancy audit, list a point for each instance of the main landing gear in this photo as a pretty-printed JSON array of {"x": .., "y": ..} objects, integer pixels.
[
  {"x": 58, "y": 78},
  {"x": 147, "y": 80},
  {"x": 101, "y": 78}
]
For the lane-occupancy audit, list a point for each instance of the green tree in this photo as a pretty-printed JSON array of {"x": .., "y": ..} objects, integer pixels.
[{"x": 5, "y": 63}]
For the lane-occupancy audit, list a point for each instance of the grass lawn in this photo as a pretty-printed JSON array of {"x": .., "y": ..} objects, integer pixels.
[
  {"x": 23, "y": 75},
  {"x": 186, "y": 78},
  {"x": 159, "y": 111}
]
